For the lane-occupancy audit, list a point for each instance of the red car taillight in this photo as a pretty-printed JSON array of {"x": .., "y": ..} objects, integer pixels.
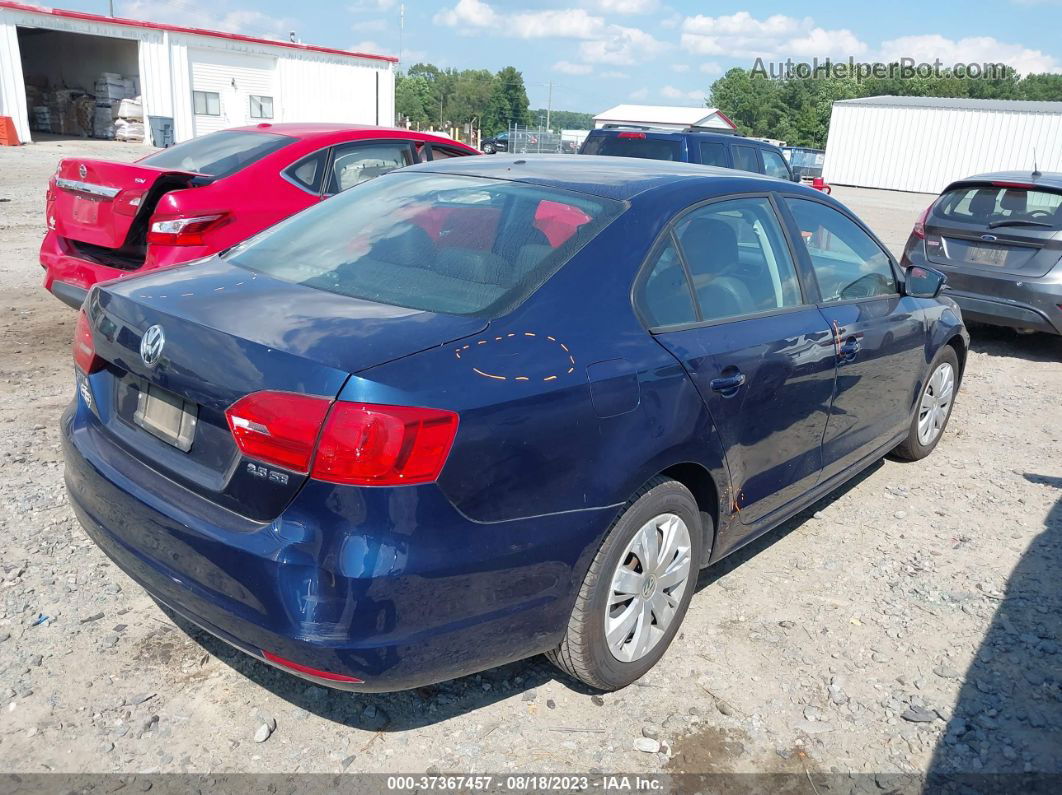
[
  {"x": 184, "y": 231},
  {"x": 305, "y": 669},
  {"x": 919, "y": 230},
  {"x": 127, "y": 202},
  {"x": 85, "y": 357},
  {"x": 352, "y": 443}
]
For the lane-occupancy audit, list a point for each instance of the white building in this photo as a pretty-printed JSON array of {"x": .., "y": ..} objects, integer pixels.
[
  {"x": 664, "y": 117},
  {"x": 202, "y": 80},
  {"x": 923, "y": 143}
]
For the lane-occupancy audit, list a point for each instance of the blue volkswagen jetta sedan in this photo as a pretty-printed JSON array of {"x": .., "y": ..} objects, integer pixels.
[{"x": 485, "y": 408}]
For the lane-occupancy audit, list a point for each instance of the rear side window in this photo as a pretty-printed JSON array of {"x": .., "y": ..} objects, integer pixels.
[
  {"x": 219, "y": 154},
  {"x": 746, "y": 159},
  {"x": 713, "y": 154},
  {"x": 664, "y": 295},
  {"x": 738, "y": 259},
  {"x": 848, "y": 264},
  {"x": 434, "y": 242},
  {"x": 308, "y": 172},
  {"x": 994, "y": 206},
  {"x": 633, "y": 145}
]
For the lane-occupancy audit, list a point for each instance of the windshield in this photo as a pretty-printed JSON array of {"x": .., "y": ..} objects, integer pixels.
[
  {"x": 633, "y": 145},
  {"x": 440, "y": 243},
  {"x": 997, "y": 205},
  {"x": 218, "y": 154}
]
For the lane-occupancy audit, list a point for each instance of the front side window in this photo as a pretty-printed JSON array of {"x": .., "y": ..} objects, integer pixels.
[
  {"x": 432, "y": 242},
  {"x": 848, "y": 264},
  {"x": 354, "y": 164},
  {"x": 218, "y": 154},
  {"x": 261, "y": 107},
  {"x": 206, "y": 103},
  {"x": 738, "y": 259},
  {"x": 774, "y": 165}
]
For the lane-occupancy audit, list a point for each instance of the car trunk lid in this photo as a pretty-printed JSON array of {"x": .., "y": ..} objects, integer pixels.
[
  {"x": 229, "y": 332},
  {"x": 98, "y": 201}
]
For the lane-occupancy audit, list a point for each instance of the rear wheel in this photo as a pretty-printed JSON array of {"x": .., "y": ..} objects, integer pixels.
[
  {"x": 488, "y": 149},
  {"x": 637, "y": 589},
  {"x": 934, "y": 407}
]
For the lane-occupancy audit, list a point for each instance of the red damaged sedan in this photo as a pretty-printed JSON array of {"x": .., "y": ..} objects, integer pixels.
[{"x": 108, "y": 220}]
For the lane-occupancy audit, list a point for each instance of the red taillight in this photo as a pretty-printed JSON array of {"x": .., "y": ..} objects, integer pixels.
[
  {"x": 369, "y": 445},
  {"x": 360, "y": 444},
  {"x": 127, "y": 202},
  {"x": 278, "y": 427},
  {"x": 919, "y": 230},
  {"x": 184, "y": 231},
  {"x": 631, "y": 135},
  {"x": 305, "y": 669},
  {"x": 85, "y": 357}
]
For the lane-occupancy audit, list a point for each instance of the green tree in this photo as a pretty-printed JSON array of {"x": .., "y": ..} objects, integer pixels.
[
  {"x": 412, "y": 99},
  {"x": 511, "y": 85}
]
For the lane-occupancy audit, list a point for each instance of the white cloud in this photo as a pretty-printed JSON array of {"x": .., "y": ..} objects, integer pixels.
[
  {"x": 367, "y": 46},
  {"x": 621, "y": 46},
  {"x": 680, "y": 67},
  {"x": 626, "y": 6},
  {"x": 974, "y": 49},
  {"x": 469, "y": 16},
  {"x": 640, "y": 93},
  {"x": 741, "y": 35},
  {"x": 711, "y": 68},
  {"x": 614, "y": 74},
  {"x": 677, "y": 93},
  {"x": 219, "y": 16},
  {"x": 569, "y": 68}
]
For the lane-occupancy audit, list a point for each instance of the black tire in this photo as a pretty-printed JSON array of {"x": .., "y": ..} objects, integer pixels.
[
  {"x": 911, "y": 449},
  {"x": 488, "y": 149},
  {"x": 583, "y": 652}
]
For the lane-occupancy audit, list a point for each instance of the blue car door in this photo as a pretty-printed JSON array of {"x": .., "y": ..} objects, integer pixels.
[
  {"x": 880, "y": 334},
  {"x": 723, "y": 296}
]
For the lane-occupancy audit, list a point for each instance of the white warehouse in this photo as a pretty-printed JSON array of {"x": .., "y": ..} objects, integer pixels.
[
  {"x": 197, "y": 81},
  {"x": 923, "y": 143}
]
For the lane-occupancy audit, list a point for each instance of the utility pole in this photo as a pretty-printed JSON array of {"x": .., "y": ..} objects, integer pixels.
[
  {"x": 549, "y": 105},
  {"x": 401, "y": 29},
  {"x": 110, "y": 4}
]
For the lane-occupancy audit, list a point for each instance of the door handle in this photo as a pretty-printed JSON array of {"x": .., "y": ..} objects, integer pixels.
[{"x": 728, "y": 385}]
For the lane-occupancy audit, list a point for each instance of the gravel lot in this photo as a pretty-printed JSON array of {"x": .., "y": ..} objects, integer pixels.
[{"x": 910, "y": 622}]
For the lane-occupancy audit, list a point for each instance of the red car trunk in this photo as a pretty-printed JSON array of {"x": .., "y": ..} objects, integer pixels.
[{"x": 98, "y": 201}]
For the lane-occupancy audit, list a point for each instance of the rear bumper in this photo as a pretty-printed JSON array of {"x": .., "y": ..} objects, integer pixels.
[
  {"x": 391, "y": 586},
  {"x": 1002, "y": 299},
  {"x": 69, "y": 276}
]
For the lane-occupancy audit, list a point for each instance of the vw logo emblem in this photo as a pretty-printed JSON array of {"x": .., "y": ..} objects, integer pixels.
[
  {"x": 989, "y": 238},
  {"x": 151, "y": 345},
  {"x": 82, "y": 171}
]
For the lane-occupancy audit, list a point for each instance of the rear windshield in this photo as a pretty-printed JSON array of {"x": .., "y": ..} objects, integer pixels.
[
  {"x": 999, "y": 206},
  {"x": 440, "y": 243},
  {"x": 218, "y": 154},
  {"x": 633, "y": 145}
]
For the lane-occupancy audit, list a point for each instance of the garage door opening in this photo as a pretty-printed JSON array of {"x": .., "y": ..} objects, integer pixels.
[{"x": 81, "y": 86}]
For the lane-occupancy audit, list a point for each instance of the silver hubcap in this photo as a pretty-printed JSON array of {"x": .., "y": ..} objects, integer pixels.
[
  {"x": 647, "y": 587},
  {"x": 936, "y": 400}
]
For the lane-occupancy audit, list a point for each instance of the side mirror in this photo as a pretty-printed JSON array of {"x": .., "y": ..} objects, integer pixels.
[{"x": 923, "y": 282}]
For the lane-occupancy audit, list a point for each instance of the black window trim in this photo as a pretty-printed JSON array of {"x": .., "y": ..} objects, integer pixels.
[
  {"x": 897, "y": 271},
  {"x": 668, "y": 235},
  {"x": 286, "y": 176}
]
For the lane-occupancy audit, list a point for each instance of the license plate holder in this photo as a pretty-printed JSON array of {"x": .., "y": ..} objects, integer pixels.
[
  {"x": 166, "y": 416},
  {"x": 987, "y": 256},
  {"x": 86, "y": 211}
]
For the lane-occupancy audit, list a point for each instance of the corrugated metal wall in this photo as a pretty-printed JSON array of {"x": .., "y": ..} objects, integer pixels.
[
  {"x": 923, "y": 149},
  {"x": 309, "y": 86}
]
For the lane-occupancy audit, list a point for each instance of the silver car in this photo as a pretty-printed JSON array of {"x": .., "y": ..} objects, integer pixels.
[{"x": 998, "y": 238}]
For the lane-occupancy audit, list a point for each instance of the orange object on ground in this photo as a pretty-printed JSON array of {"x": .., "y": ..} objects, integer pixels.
[{"x": 8, "y": 136}]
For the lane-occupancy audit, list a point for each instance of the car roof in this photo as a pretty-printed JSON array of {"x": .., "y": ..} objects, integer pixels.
[
  {"x": 1047, "y": 179},
  {"x": 619, "y": 178},
  {"x": 305, "y": 130}
]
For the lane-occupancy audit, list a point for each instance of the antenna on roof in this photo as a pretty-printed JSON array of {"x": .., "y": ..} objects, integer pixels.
[{"x": 1036, "y": 168}]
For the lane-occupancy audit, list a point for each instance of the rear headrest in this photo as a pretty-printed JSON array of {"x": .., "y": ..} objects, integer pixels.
[
  {"x": 710, "y": 246},
  {"x": 983, "y": 202},
  {"x": 1016, "y": 200}
]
